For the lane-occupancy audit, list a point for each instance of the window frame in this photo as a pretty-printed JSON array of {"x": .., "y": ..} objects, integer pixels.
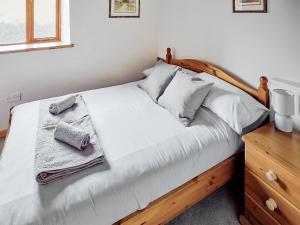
[{"x": 30, "y": 39}]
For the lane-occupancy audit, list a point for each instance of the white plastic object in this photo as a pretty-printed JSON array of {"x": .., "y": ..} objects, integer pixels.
[
  {"x": 284, "y": 123},
  {"x": 284, "y": 106}
]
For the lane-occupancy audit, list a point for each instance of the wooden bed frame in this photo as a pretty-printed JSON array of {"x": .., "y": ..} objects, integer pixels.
[{"x": 177, "y": 201}]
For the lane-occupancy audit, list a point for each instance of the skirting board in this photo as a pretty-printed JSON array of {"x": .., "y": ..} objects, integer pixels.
[{"x": 3, "y": 133}]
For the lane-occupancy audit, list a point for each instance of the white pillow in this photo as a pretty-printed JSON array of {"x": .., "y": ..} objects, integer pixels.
[
  {"x": 237, "y": 108},
  {"x": 184, "y": 96},
  {"x": 156, "y": 83}
]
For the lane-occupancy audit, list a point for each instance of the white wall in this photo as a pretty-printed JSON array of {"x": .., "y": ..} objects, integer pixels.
[
  {"x": 107, "y": 52},
  {"x": 248, "y": 45}
]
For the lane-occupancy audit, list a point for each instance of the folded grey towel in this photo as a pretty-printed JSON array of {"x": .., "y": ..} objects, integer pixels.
[
  {"x": 76, "y": 112},
  {"x": 46, "y": 177},
  {"x": 62, "y": 104},
  {"x": 71, "y": 135},
  {"x": 56, "y": 160}
]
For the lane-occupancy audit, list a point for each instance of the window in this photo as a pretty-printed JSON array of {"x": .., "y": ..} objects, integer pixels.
[{"x": 29, "y": 21}]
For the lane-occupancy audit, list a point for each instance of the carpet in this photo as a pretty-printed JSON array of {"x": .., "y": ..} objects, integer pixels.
[{"x": 221, "y": 208}]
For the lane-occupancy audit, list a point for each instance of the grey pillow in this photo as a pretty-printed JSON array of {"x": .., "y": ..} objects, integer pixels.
[
  {"x": 191, "y": 72},
  {"x": 156, "y": 83},
  {"x": 147, "y": 72},
  {"x": 184, "y": 96}
]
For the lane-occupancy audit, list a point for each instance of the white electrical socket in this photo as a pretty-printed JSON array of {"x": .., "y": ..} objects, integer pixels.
[{"x": 14, "y": 97}]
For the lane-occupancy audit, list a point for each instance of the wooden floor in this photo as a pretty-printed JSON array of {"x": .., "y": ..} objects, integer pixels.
[{"x": 3, "y": 133}]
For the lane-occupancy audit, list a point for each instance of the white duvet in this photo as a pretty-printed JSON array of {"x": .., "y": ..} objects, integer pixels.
[{"x": 148, "y": 153}]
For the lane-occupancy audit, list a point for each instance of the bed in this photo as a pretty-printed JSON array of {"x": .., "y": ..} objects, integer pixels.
[{"x": 155, "y": 167}]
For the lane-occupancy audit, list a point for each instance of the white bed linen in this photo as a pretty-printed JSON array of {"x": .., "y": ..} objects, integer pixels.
[{"x": 148, "y": 152}]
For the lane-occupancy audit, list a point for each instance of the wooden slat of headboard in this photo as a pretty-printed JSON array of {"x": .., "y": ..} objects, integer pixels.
[{"x": 261, "y": 94}]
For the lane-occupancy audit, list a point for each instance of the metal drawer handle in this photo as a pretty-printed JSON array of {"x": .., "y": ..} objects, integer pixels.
[
  {"x": 271, "y": 176},
  {"x": 271, "y": 204}
]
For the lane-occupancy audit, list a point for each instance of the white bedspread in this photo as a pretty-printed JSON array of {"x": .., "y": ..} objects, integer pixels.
[{"x": 148, "y": 154}]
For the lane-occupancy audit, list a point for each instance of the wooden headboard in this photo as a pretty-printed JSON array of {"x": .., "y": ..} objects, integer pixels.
[{"x": 261, "y": 94}]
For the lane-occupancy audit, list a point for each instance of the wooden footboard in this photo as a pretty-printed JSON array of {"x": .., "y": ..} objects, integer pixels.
[{"x": 177, "y": 201}]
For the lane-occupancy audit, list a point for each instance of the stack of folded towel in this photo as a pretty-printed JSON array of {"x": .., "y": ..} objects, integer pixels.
[
  {"x": 65, "y": 132},
  {"x": 62, "y": 105},
  {"x": 72, "y": 135},
  {"x": 66, "y": 128}
]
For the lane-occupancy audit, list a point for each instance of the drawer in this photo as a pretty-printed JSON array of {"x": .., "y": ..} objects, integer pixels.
[
  {"x": 284, "y": 211},
  {"x": 256, "y": 215},
  {"x": 284, "y": 182}
]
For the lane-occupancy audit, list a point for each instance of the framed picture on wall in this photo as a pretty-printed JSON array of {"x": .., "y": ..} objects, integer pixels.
[
  {"x": 249, "y": 6},
  {"x": 124, "y": 8}
]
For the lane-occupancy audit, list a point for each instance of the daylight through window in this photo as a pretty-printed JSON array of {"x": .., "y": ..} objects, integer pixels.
[{"x": 29, "y": 21}]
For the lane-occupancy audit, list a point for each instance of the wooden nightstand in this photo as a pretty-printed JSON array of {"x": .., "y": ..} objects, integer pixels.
[{"x": 272, "y": 177}]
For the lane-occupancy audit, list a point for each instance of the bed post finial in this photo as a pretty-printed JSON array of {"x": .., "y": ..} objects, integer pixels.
[
  {"x": 263, "y": 91},
  {"x": 169, "y": 56}
]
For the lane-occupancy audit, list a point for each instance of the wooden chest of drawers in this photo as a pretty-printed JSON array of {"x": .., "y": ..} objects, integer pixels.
[{"x": 272, "y": 177}]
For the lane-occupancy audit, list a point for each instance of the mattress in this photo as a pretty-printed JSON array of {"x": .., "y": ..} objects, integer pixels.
[{"x": 148, "y": 153}]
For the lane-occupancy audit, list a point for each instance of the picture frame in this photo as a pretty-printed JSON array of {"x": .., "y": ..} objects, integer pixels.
[
  {"x": 250, "y": 6},
  {"x": 124, "y": 8}
]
